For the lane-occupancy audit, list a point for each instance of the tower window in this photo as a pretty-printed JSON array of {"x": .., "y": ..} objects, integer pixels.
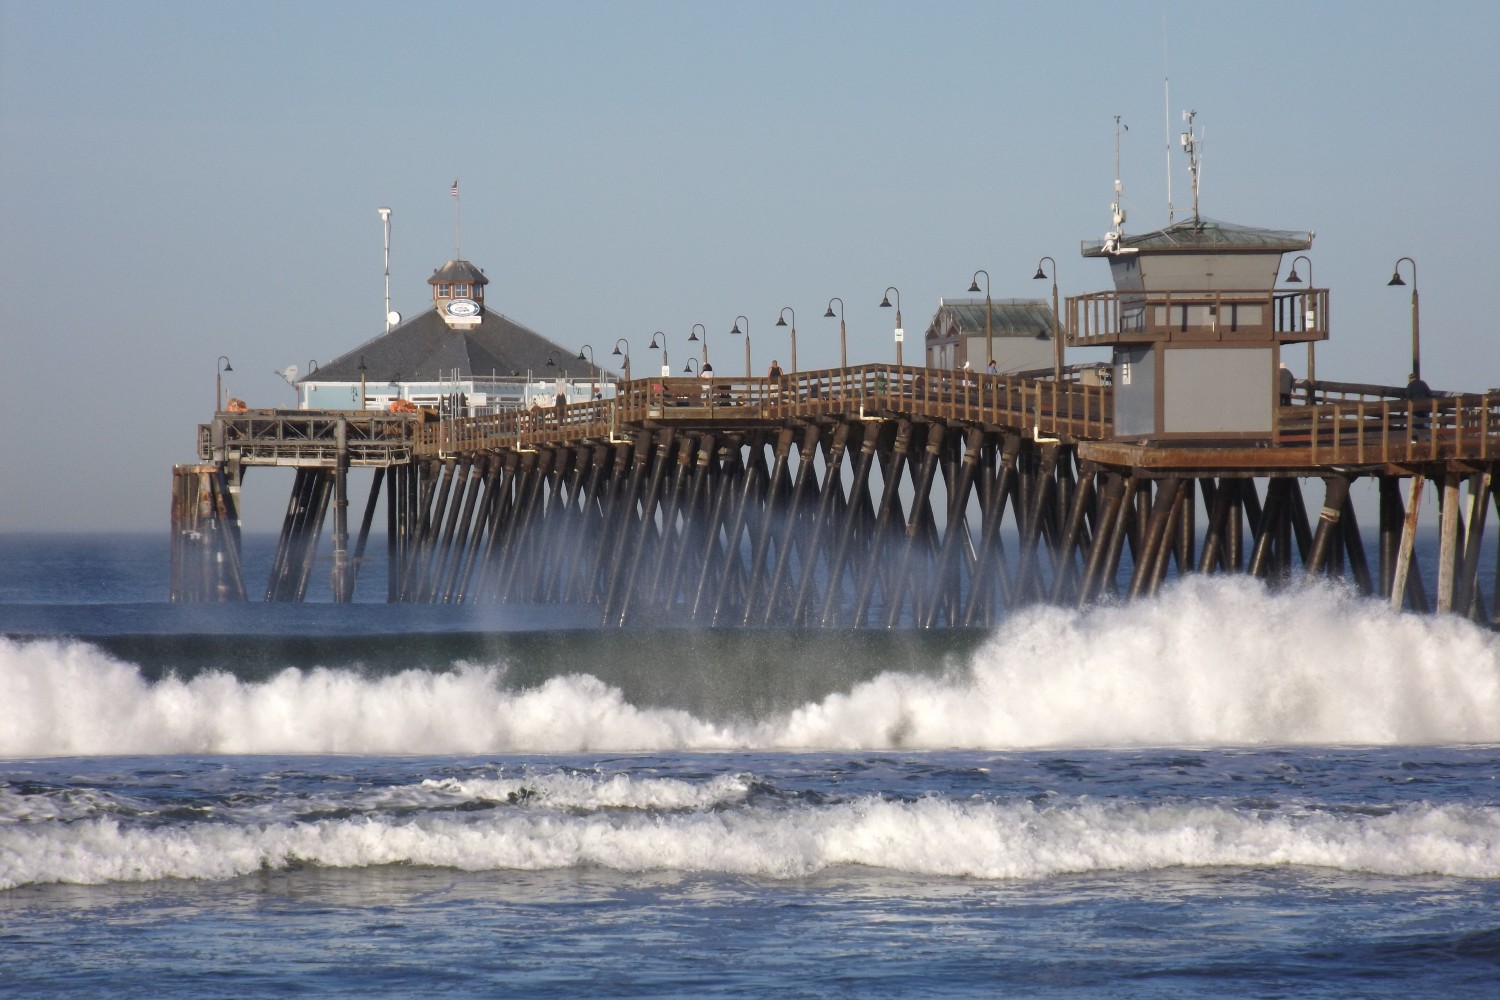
[
  {"x": 445, "y": 291},
  {"x": 461, "y": 290}
]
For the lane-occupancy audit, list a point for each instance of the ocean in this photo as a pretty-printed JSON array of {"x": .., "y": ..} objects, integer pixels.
[{"x": 1224, "y": 791}]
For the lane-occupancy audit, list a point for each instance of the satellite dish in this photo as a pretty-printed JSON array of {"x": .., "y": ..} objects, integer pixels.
[
  {"x": 289, "y": 373},
  {"x": 393, "y": 318}
]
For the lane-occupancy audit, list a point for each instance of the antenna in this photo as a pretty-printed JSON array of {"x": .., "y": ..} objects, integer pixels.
[
  {"x": 1190, "y": 144},
  {"x": 1166, "y": 115},
  {"x": 1117, "y": 209}
]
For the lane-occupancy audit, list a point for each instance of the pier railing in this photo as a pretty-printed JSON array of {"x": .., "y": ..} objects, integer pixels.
[
  {"x": 1363, "y": 430},
  {"x": 1114, "y": 317},
  {"x": 1346, "y": 423},
  {"x": 308, "y": 437},
  {"x": 1045, "y": 407}
]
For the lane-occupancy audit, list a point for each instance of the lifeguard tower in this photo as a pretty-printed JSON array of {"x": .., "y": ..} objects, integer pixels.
[{"x": 1197, "y": 325}]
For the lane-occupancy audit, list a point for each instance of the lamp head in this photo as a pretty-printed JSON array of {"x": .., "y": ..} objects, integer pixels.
[
  {"x": 781, "y": 320},
  {"x": 1040, "y": 274},
  {"x": 885, "y": 302},
  {"x": 1294, "y": 278},
  {"x": 973, "y": 286},
  {"x": 1395, "y": 279},
  {"x": 829, "y": 313}
]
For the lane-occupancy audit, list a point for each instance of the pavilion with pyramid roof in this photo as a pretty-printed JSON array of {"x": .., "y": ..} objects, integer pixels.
[{"x": 458, "y": 357}]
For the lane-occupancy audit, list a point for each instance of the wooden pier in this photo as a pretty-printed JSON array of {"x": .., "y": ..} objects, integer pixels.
[{"x": 875, "y": 495}]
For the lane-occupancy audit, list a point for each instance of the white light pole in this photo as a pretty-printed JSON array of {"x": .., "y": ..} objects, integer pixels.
[{"x": 385, "y": 221}]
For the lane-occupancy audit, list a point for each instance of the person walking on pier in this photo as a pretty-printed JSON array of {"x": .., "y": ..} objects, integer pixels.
[{"x": 775, "y": 370}]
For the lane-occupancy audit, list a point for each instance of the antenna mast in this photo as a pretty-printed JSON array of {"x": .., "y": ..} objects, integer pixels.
[
  {"x": 1116, "y": 210},
  {"x": 1166, "y": 116},
  {"x": 1190, "y": 143}
]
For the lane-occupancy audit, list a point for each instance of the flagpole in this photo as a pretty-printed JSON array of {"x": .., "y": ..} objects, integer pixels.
[{"x": 457, "y": 220}]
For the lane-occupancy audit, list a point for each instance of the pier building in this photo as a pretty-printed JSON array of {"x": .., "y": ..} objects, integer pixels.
[{"x": 456, "y": 358}]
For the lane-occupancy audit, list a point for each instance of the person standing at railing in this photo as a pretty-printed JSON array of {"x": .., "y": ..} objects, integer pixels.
[
  {"x": 1284, "y": 376},
  {"x": 1418, "y": 396}
]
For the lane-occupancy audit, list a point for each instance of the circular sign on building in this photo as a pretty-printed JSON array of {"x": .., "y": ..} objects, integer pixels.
[{"x": 463, "y": 307}]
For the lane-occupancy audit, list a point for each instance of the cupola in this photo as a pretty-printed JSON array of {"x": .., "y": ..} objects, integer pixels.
[{"x": 458, "y": 293}]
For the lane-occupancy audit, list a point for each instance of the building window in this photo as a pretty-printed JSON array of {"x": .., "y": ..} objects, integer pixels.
[
  {"x": 445, "y": 291},
  {"x": 461, "y": 290}
]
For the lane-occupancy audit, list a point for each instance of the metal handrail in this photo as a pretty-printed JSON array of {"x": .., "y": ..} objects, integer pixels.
[{"x": 1115, "y": 317}]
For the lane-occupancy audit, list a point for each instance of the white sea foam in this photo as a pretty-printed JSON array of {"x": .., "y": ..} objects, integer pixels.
[
  {"x": 931, "y": 836},
  {"x": 1214, "y": 661}
]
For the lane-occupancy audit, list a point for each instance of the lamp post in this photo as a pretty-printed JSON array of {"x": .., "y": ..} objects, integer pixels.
[
  {"x": 989, "y": 337},
  {"x": 626, "y": 355},
  {"x": 691, "y": 367},
  {"x": 885, "y": 303},
  {"x": 362, "y": 370},
  {"x": 1416, "y": 336},
  {"x": 736, "y": 330},
  {"x": 1311, "y": 315},
  {"x": 385, "y": 223},
  {"x": 593, "y": 368},
  {"x": 666, "y": 366},
  {"x": 693, "y": 336},
  {"x": 220, "y": 367},
  {"x": 1057, "y": 350},
  {"x": 843, "y": 342},
  {"x": 781, "y": 321}
]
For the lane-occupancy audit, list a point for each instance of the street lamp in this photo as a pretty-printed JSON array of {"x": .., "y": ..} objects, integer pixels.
[
  {"x": 362, "y": 370},
  {"x": 691, "y": 367},
  {"x": 693, "y": 337},
  {"x": 1311, "y": 315},
  {"x": 989, "y": 337},
  {"x": 1416, "y": 341},
  {"x": 1057, "y": 350},
  {"x": 736, "y": 330},
  {"x": 626, "y": 355},
  {"x": 220, "y": 367},
  {"x": 885, "y": 303},
  {"x": 666, "y": 366},
  {"x": 843, "y": 345},
  {"x": 781, "y": 321},
  {"x": 593, "y": 368}
]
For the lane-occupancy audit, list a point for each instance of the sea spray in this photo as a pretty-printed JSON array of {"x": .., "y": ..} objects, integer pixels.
[{"x": 1213, "y": 661}]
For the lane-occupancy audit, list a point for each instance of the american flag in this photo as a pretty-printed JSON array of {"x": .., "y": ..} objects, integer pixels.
[{"x": 454, "y": 190}]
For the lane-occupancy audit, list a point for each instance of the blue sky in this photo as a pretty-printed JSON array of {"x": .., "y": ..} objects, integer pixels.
[{"x": 180, "y": 181}]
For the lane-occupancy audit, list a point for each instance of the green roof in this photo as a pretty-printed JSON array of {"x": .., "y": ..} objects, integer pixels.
[
  {"x": 1008, "y": 317},
  {"x": 1198, "y": 235}
]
